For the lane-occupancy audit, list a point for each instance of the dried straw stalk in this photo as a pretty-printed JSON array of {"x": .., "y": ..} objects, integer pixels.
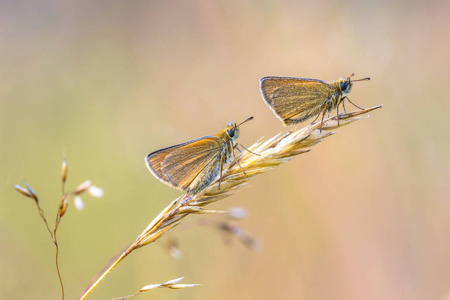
[{"x": 273, "y": 152}]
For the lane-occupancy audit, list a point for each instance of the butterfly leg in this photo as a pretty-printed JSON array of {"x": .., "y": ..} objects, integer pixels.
[
  {"x": 247, "y": 150},
  {"x": 323, "y": 115},
  {"x": 315, "y": 119},
  {"x": 352, "y": 102},
  {"x": 234, "y": 156},
  {"x": 343, "y": 105},
  {"x": 337, "y": 112},
  {"x": 220, "y": 171}
]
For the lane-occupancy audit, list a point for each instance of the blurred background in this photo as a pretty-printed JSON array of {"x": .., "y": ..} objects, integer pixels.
[{"x": 365, "y": 215}]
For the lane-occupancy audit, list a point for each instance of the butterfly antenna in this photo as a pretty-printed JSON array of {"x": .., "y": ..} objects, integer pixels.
[
  {"x": 363, "y": 79},
  {"x": 249, "y": 119}
]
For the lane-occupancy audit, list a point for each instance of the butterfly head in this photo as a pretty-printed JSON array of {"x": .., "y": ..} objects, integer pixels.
[
  {"x": 346, "y": 86},
  {"x": 232, "y": 131},
  {"x": 346, "y": 83}
]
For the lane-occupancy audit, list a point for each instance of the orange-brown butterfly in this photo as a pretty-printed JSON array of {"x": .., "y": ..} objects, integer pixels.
[
  {"x": 294, "y": 100},
  {"x": 194, "y": 165}
]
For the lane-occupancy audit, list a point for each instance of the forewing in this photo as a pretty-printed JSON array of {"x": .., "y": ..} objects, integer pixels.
[
  {"x": 205, "y": 175},
  {"x": 294, "y": 100},
  {"x": 154, "y": 161},
  {"x": 181, "y": 164}
]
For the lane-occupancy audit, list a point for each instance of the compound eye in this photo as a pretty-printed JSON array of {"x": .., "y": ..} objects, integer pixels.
[
  {"x": 231, "y": 133},
  {"x": 344, "y": 86}
]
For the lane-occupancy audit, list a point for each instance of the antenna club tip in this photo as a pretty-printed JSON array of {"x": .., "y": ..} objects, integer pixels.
[{"x": 248, "y": 119}]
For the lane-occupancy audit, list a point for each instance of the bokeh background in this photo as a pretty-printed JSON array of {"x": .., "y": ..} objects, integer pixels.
[{"x": 365, "y": 215}]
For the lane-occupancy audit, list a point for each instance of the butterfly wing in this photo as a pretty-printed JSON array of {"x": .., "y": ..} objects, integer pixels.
[
  {"x": 190, "y": 166},
  {"x": 294, "y": 100}
]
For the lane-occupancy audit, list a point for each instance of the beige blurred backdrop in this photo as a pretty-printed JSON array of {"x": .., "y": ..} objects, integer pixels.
[{"x": 365, "y": 215}]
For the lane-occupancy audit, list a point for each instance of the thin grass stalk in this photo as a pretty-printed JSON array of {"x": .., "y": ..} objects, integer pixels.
[
  {"x": 63, "y": 205},
  {"x": 273, "y": 152}
]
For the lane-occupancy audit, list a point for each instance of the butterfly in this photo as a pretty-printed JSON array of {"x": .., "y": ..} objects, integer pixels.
[
  {"x": 294, "y": 100},
  {"x": 192, "y": 166}
]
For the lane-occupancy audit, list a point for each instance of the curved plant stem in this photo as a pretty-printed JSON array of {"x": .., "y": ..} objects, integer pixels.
[{"x": 271, "y": 153}]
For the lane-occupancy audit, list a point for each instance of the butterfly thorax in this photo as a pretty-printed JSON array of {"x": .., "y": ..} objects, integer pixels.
[
  {"x": 228, "y": 137},
  {"x": 230, "y": 133}
]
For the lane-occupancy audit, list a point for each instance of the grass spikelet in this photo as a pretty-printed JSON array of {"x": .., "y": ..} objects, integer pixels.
[
  {"x": 62, "y": 209},
  {"x": 272, "y": 152},
  {"x": 171, "y": 284}
]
